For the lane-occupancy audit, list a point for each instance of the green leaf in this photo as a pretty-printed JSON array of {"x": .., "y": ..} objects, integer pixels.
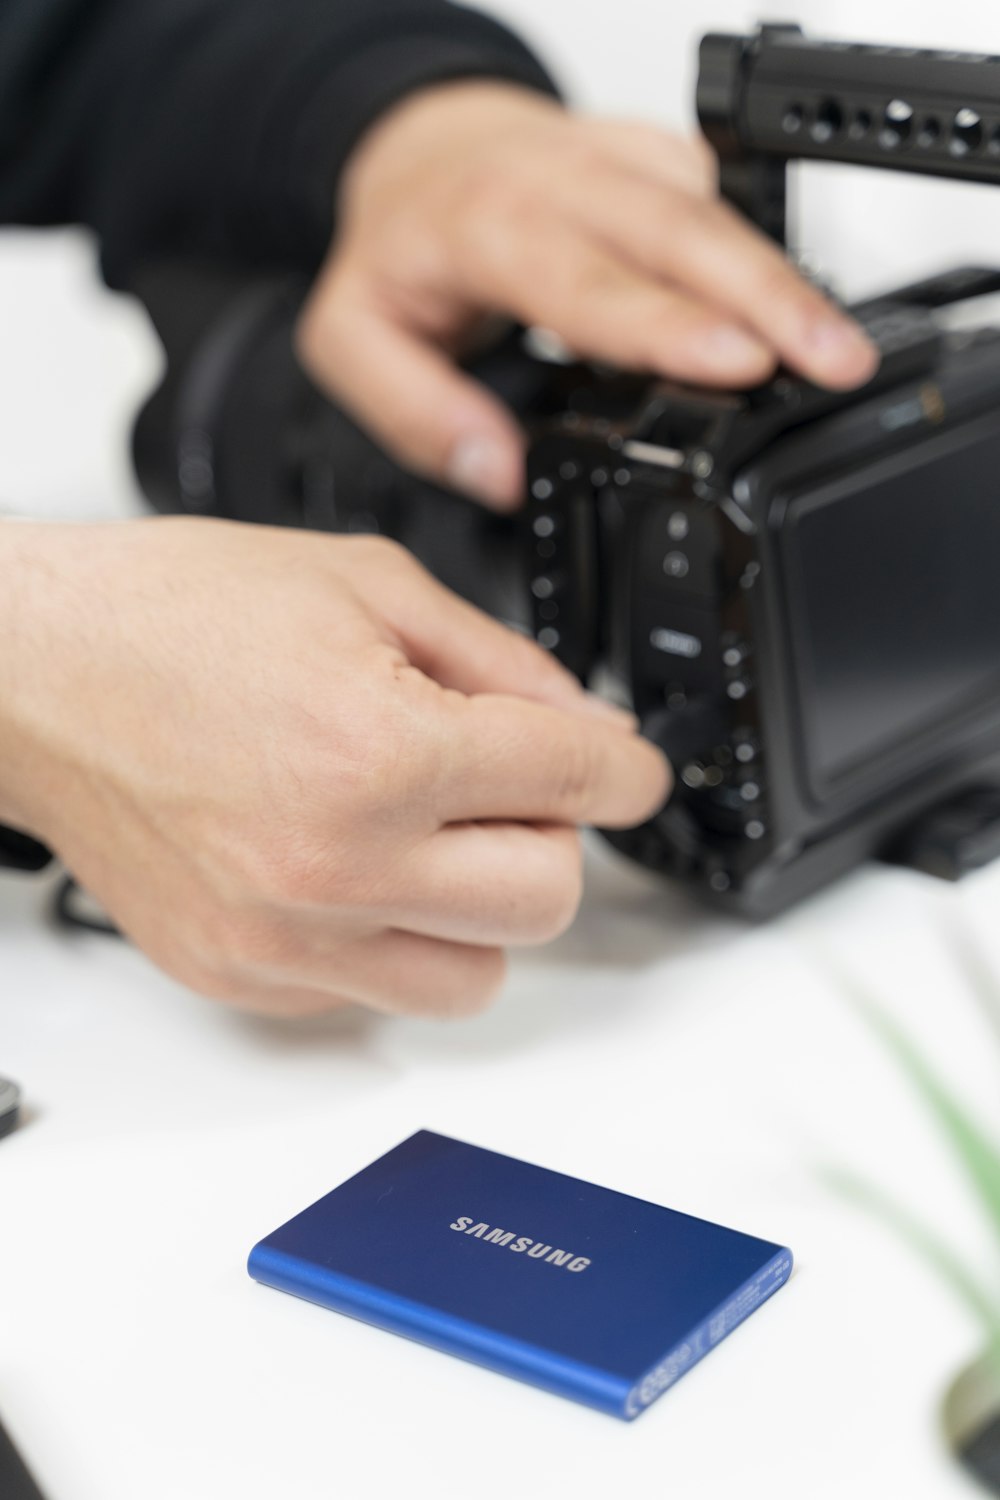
[
  {"x": 925, "y": 1242},
  {"x": 979, "y": 973},
  {"x": 975, "y": 1150}
]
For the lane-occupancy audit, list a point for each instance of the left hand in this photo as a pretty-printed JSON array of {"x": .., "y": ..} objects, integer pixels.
[{"x": 479, "y": 198}]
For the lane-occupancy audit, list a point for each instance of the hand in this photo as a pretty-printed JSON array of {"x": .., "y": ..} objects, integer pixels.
[
  {"x": 294, "y": 768},
  {"x": 480, "y": 198}
]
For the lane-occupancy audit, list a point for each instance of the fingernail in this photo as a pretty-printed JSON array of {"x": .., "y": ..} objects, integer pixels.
[
  {"x": 480, "y": 467},
  {"x": 728, "y": 346},
  {"x": 841, "y": 348}
]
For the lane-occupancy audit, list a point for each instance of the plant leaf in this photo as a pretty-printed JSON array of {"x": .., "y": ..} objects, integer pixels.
[
  {"x": 925, "y": 1242},
  {"x": 975, "y": 1150},
  {"x": 979, "y": 974}
]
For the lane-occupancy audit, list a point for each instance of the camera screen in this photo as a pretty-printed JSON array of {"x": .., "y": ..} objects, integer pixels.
[{"x": 894, "y": 591}]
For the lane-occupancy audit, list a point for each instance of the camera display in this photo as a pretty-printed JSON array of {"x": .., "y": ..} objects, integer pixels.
[{"x": 796, "y": 590}]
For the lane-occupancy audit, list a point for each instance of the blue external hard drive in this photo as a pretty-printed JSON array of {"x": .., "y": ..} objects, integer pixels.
[{"x": 583, "y": 1291}]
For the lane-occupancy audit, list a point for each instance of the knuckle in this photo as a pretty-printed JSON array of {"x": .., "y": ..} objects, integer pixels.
[
  {"x": 491, "y": 191},
  {"x": 277, "y": 875},
  {"x": 465, "y": 986},
  {"x": 695, "y": 158},
  {"x": 290, "y": 1004},
  {"x": 496, "y": 217},
  {"x": 574, "y": 774},
  {"x": 780, "y": 288},
  {"x": 343, "y": 878},
  {"x": 383, "y": 555},
  {"x": 598, "y": 280},
  {"x": 556, "y": 901},
  {"x": 215, "y": 982},
  {"x": 248, "y": 941},
  {"x": 588, "y": 150}
]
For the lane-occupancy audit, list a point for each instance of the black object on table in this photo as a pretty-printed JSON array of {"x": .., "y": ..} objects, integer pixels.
[
  {"x": 15, "y": 1481},
  {"x": 10, "y": 1106}
]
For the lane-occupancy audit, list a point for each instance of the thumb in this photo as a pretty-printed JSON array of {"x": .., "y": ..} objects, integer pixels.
[{"x": 409, "y": 395}]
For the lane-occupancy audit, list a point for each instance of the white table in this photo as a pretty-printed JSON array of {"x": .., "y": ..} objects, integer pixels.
[{"x": 657, "y": 1049}]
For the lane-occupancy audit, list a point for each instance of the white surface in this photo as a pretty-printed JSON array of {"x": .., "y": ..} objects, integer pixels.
[{"x": 656, "y": 1049}]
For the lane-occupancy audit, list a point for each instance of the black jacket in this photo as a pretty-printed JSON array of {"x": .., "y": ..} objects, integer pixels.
[{"x": 213, "y": 128}]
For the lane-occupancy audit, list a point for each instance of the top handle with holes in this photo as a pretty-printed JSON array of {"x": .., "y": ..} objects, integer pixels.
[{"x": 778, "y": 96}]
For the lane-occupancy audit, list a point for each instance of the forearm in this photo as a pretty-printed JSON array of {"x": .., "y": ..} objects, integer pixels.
[{"x": 214, "y": 128}]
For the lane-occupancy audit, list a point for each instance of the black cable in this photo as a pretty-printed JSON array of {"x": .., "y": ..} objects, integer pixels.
[
  {"x": 67, "y": 914},
  {"x": 15, "y": 1481}
]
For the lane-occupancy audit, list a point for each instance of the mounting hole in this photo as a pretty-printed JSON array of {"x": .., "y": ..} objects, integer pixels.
[
  {"x": 793, "y": 119},
  {"x": 897, "y": 124},
  {"x": 929, "y": 133},
  {"x": 966, "y": 133},
  {"x": 828, "y": 123}
]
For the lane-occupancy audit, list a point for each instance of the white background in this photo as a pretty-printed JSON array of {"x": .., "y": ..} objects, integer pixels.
[{"x": 657, "y": 1049}]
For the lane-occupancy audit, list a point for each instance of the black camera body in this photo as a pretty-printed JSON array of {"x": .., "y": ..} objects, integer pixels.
[
  {"x": 799, "y": 594},
  {"x": 797, "y": 591}
]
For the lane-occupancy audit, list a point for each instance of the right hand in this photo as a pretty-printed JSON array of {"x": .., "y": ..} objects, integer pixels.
[{"x": 296, "y": 770}]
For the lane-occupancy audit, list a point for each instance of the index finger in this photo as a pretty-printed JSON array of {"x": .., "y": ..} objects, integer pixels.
[
  {"x": 519, "y": 761},
  {"x": 710, "y": 250}
]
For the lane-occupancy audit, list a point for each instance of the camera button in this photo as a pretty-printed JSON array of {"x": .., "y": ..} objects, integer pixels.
[{"x": 543, "y": 587}]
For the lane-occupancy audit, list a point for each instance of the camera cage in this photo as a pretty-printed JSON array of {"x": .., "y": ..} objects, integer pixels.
[{"x": 778, "y": 96}]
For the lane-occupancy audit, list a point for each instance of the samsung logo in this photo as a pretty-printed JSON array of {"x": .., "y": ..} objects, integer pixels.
[{"x": 521, "y": 1245}]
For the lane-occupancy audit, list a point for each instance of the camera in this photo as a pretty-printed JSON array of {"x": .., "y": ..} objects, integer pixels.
[{"x": 798, "y": 591}]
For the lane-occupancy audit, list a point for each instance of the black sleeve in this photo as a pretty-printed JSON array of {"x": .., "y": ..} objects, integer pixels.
[{"x": 214, "y": 129}]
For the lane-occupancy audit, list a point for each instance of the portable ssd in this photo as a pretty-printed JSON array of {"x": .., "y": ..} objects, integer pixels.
[{"x": 586, "y": 1292}]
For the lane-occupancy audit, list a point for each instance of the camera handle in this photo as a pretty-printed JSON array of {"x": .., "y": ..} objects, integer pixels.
[{"x": 778, "y": 96}]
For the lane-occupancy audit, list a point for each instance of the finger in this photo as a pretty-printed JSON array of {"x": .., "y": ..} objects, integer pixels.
[
  {"x": 494, "y": 884},
  {"x": 303, "y": 965},
  {"x": 562, "y": 278},
  {"x": 279, "y": 998},
  {"x": 512, "y": 760},
  {"x": 410, "y": 395},
  {"x": 407, "y": 973},
  {"x": 685, "y": 162},
  {"x": 460, "y": 647},
  {"x": 717, "y": 256}
]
